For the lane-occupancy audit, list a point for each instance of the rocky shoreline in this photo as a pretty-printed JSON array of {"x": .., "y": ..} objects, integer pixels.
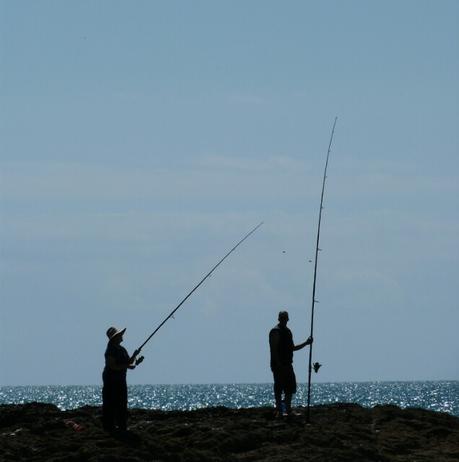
[{"x": 340, "y": 432}]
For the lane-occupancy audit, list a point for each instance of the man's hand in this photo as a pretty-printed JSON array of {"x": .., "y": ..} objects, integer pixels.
[
  {"x": 136, "y": 352},
  {"x": 302, "y": 345}
]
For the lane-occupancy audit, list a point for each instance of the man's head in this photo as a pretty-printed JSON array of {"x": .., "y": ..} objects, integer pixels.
[
  {"x": 283, "y": 318},
  {"x": 114, "y": 335}
]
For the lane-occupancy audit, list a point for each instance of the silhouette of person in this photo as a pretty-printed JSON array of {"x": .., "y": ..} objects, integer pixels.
[
  {"x": 282, "y": 348},
  {"x": 114, "y": 391}
]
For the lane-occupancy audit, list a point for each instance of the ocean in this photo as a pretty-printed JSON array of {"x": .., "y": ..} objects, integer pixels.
[{"x": 437, "y": 396}]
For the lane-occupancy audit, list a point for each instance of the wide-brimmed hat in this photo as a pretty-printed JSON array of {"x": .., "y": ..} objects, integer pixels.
[{"x": 112, "y": 332}]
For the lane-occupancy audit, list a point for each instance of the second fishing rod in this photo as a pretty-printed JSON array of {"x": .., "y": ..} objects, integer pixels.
[{"x": 316, "y": 365}]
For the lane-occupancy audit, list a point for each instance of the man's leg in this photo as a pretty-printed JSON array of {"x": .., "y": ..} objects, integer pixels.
[
  {"x": 288, "y": 402},
  {"x": 290, "y": 389},
  {"x": 277, "y": 391},
  {"x": 108, "y": 417},
  {"x": 124, "y": 408}
]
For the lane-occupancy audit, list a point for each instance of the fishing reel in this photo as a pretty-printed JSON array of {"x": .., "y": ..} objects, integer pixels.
[
  {"x": 139, "y": 360},
  {"x": 316, "y": 366}
]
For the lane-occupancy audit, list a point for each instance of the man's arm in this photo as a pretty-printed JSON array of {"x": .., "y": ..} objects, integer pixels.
[
  {"x": 274, "y": 346},
  {"x": 133, "y": 360},
  {"x": 302, "y": 345},
  {"x": 116, "y": 365}
]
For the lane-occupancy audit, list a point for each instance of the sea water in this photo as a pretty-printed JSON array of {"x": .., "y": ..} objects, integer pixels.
[{"x": 437, "y": 396}]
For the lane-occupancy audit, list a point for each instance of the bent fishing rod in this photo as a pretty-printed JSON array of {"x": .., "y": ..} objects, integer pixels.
[
  {"x": 314, "y": 301},
  {"x": 171, "y": 314}
]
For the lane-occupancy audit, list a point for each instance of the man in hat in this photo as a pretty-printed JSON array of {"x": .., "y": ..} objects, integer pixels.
[
  {"x": 114, "y": 391},
  {"x": 282, "y": 348}
]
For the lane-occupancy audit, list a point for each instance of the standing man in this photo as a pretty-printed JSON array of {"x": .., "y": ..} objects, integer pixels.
[
  {"x": 114, "y": 391},
  {"x": 282, "y": 348}
]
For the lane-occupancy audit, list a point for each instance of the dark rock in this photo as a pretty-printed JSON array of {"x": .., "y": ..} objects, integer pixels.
[{"x": 39, "y": 432}]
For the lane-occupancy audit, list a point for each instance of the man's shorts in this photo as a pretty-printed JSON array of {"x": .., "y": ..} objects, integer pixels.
[{"x": 284, "y": 379}]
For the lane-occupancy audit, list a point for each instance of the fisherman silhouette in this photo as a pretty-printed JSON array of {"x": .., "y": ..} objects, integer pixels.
[
  {"x": 282, "y": 348},
  {"x": 114, "y": 391}
]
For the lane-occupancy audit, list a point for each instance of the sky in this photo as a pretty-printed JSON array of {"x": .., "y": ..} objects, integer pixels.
[{"x": 139, "y": 141}]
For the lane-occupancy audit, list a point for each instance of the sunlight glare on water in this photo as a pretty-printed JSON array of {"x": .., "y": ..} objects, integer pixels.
[{"x": 437, "y": 396}]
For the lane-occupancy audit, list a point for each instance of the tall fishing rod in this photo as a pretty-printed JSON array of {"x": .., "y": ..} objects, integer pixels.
[
  {"x": 171, "y": 314},
  {"x": 314, "y": 301}
]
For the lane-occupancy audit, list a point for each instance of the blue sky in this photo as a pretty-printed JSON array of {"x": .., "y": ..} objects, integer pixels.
[{"x": 141, "y": 140}]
